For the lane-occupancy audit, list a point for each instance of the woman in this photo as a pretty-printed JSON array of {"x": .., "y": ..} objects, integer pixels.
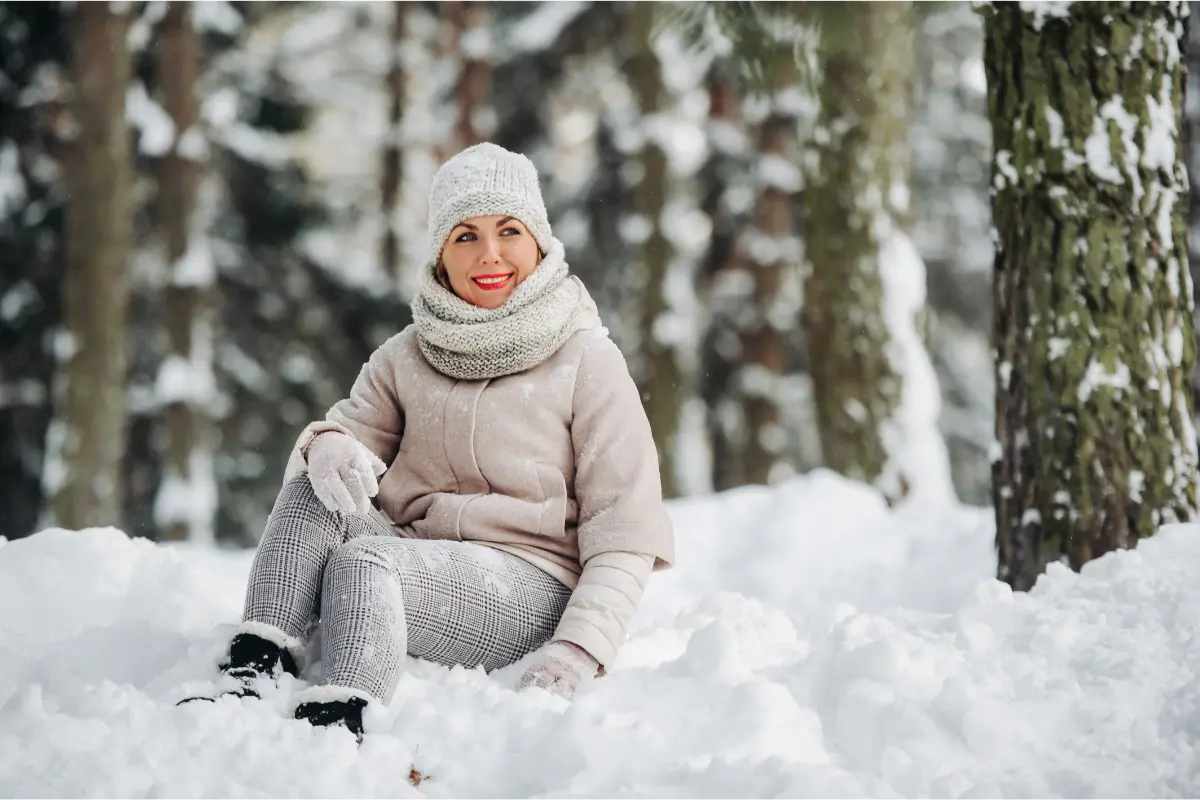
[{"x": 517, "y": 504}]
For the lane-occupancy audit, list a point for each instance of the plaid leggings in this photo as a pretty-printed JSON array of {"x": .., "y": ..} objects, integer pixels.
[{"x": 380, "y": 595}]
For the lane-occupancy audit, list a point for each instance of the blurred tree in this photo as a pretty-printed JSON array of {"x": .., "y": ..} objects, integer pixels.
[
  {"x": 86, "y": 440},
  {"x": 475, "y": 121},
  {"x": 300, "y": 316},
  {"x": 34, "y": 122},
  {"x": 392, "y": 171},
  {"x": 1093, "y": 319},
  {"x": 186, "y": 388},
  {"x": 951, "y": 146},
  {"x": 876, "y": 393},
  {"x": 661, "y": 377},
  {"x": 875, "y": 389},
  {"x": 753, "y": 277}
]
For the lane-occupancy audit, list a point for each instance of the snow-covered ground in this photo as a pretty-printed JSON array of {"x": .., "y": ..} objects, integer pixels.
[{"x": 810, "y": 643}]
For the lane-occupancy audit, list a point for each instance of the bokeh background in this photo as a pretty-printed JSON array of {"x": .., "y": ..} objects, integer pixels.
[{"x": 313, "y": 131}]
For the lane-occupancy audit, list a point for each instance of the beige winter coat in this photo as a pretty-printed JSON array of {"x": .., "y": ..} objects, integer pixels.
[{"x": 556, "y": 464}]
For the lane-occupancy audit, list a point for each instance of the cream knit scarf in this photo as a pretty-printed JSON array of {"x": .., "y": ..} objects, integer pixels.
[{"x": 471, "y": 343}]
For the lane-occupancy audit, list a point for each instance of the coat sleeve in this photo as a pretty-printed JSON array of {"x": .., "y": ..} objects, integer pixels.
[
  {"x": 601, "y": 608},
  {"x": 617, "y": 484},
  {"x": 371, "y": 414}
]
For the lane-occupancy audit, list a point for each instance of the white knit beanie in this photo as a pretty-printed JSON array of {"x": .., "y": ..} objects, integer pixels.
[{"x": 482, "y": 180}]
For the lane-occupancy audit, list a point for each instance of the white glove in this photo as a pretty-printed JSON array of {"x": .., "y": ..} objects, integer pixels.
[
  {"x": 559, "y": 668},
  {"x": 341, "y": 473}
]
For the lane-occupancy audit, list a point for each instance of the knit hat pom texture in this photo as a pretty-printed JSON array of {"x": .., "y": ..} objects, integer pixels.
[{"x": 483, "y": 180}]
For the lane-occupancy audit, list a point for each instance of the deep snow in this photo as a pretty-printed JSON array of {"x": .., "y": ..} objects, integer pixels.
[{"x": 810, "y": 643}]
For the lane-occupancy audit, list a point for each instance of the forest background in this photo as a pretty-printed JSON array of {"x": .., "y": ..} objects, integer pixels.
[{"x": 223, "y": 204}]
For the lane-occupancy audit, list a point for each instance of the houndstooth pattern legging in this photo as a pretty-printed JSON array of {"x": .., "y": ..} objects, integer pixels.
[{"x": 380, "y": 595}]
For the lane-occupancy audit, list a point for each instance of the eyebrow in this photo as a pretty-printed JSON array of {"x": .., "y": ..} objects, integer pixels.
[{"x": 471, "y": 227}]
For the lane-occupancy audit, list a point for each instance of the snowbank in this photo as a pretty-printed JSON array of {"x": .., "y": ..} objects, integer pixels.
[{"x": 811, "y": 642}]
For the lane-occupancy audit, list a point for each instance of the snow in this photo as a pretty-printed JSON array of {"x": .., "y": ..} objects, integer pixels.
[
  {"x": 148, "y": 117},
  {"x": 216, "y": 15},
  {"x": 190, "y": 499},
  {"x": 187, "y": 380},
  {"x": 1100, "y": 375},
  {"x": 1097, "y": 146},
  {"x": 540, "y": 28},
  {"x": 20, "y": 297},
  {"x": 849, "y": 650},
  {"x": 12, "y": 185},
  {"x": 1043, "y": 10},
  {"x": 914, "y": 444}
]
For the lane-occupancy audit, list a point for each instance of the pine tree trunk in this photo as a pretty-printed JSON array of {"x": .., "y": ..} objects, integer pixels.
[
  {"x": 87, "y": 440},
  {"x": 1093, "y": 324},
  {"x": 754, "y": 299},
  {"x": 186, "y": 500},
  {"x": 662, "y": 379},
  {"x": 864, "y": 294},
  {"x": 390, "y": 179},
  {"x": 474, "y": 123}
]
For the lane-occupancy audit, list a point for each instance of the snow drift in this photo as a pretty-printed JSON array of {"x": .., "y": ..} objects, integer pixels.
[{"x": 810, "y": 643}]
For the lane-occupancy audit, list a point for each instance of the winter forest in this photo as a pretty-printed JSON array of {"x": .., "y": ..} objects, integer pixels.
[{"x": 906, "y": 288}]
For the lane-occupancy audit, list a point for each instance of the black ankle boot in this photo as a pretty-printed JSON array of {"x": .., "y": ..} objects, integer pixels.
[
  {"x": 335, "y": 712},
  {"x": 252, "y": 657}
]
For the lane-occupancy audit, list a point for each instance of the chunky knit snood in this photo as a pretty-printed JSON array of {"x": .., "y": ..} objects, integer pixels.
[{"x": 466, "y": 342}]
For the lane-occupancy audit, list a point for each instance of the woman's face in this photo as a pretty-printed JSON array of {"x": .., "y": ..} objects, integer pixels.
[{"x": 486, "y": 258}]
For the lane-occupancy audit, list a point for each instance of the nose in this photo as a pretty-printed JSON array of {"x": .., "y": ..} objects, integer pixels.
[{"x": 491, "y": 252}]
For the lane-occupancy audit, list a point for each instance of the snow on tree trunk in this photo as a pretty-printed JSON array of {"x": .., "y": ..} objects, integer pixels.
[
  {"x": 185, "y": 387},
  {"x": 662, "y": 378},
  {"x": 86, "y": 441},
  {"x": 1093, "y": 323},
  {"x": 754, "y": 291},
  {"x": 876, "y": 392},
  {"x": 476, "y": 120}
]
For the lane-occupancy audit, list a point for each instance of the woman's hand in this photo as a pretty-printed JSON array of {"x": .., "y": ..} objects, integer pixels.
[
  {"x": 341, "y": 474},
  {"x": 559, "y": 668}
]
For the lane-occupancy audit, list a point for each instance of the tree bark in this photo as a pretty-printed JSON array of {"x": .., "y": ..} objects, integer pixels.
[
  {"x": 186, "y": 502},
  {"x": 864, "y": 294},
  {"x": 1094, "y": 331},
  {"x": 87, "y": 441},
  {"x": 662, "y": 382},
  {"x": 392, "y": 157}
]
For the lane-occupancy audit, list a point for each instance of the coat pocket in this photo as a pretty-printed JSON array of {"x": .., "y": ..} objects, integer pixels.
[{"x": 552, "y": 518}]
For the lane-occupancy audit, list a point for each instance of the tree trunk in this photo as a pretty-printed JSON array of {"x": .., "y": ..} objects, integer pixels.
[
  {"x": 754, "y": 296},
  {"x": 87, "y": 440},
  {"x": 662, "y": 382},
  {"x": 474, "y": 123},
  {"x": 392, "y": 157},
  {"x": 186, "y": 501},
  {"x": 876, "y": 393},
  {"x": 1093, "y": 323}
]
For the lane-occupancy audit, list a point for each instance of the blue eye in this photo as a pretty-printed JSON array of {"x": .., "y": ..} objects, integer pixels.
[
  {"x": 513, "y": 231},
  {"x": 462, "y": 237}
]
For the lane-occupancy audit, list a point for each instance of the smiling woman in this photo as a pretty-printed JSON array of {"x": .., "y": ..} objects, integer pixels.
[
  {"x": 486, "y": 258},
  {"x": 488, "y": 491}
]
